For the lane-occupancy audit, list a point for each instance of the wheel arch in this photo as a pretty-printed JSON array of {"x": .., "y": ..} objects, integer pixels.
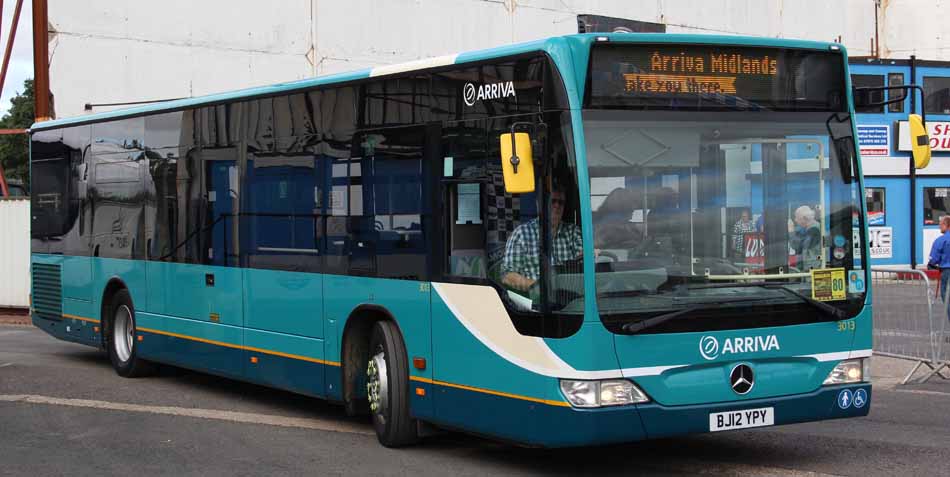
[
  {"x": 354, "y": 353},
  {"x": 105, "y": 304}
]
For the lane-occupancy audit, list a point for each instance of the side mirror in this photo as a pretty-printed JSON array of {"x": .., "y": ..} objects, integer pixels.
[
  {"x": 919, "y": 140},
  {"x": 517, "y": 163},
  {"x": 872, "y": 96},
  {"x": 844, "y": 148}
]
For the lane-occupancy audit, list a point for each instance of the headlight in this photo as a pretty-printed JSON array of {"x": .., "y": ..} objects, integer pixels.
[
  {"x": 614, "y": 392},
  {"x": 850, "y": 371}
]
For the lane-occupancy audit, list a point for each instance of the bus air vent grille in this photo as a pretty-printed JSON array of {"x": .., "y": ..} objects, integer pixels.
[{"x": 47, "y": 291}]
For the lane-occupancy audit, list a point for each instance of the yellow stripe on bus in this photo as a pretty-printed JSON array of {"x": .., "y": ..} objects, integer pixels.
[{"x": 489, "y": 391}]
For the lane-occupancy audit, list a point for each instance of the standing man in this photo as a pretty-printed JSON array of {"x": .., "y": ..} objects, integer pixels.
[
  {"x": 940, "y": 255},
  {"x": 742, "y": 227}
]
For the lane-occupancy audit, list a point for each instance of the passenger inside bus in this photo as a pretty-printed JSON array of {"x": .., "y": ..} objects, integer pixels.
[
  {"x": 805, "y": 238},
  {"x": 613, "y": 221}
]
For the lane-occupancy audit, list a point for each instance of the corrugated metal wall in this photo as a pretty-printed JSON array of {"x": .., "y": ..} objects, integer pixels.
[
  {"x": 113, "y": 51},
  {"x": 14, "y": 253}
]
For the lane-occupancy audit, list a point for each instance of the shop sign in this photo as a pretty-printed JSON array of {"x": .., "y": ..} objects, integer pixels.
[
  {"x": 939, "y": 132},
  {"x": 874, "y": 140},
  {"x": 880, "y": 241}
]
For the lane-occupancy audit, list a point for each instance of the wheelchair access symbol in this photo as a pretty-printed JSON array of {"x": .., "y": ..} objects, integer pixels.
[
  {"x": 855, "y": 281},
  {"x": 860, "y": 398},
  {"x": 845, "y": 398}
]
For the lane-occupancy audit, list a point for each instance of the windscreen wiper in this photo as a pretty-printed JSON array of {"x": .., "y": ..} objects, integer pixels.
[
  {"x": 826, "y": 309},
  {"x": 638, "y": 326}
]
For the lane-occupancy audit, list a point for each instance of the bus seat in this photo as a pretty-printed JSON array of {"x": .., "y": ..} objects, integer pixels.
[{"x": 468, "y": 263}]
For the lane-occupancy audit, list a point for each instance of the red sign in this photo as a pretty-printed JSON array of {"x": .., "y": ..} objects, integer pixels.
[{"x": 754, "y": 248}]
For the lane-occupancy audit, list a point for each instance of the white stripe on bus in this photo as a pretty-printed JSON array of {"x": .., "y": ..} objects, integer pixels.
[{"x": 413, "y": 65}]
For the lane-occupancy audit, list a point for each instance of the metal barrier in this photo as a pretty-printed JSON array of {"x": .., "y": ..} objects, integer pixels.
[
  {"x": 941, "y": 335},
  {"x": 909, "y": 320}
]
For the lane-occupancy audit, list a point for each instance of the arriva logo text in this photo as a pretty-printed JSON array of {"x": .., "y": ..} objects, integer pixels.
[
  {"x": 710, "y": 349},
  {"x": 471, "y": 94}
]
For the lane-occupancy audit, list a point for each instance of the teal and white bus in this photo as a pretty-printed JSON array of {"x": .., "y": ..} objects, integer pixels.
[{"x": 582, "y": 240}]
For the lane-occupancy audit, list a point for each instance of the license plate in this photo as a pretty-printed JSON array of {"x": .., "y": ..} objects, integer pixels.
[{"x": 741, "y": 419}]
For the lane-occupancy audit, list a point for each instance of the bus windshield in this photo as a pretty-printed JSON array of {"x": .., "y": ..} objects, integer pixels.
[
  {"x": 723, "y": 178},
  {"x": 708, "y": 208}
]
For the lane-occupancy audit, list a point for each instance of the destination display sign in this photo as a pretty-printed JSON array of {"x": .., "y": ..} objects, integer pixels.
[{"x": 714, "y": 77}]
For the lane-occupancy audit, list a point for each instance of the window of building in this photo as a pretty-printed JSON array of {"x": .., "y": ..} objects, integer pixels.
[
  {"x": 896, "y": 79},
  {"x": 937, "y": 94},
  {"x": 869, "y": 81},
  {"x": 936, "y": 204},
  {"x": 876, "y": 200}
]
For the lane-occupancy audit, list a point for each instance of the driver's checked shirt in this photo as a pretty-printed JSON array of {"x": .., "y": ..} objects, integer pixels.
[{"x": 523, "y": 250}]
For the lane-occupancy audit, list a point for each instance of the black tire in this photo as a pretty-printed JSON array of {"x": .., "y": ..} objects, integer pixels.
[
  {"x": 391, "y": 419},
  {"x": 123, "y": 354}
]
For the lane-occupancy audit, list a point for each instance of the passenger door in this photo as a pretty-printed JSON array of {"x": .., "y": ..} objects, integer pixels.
[
  {"x": 198, "y": 266},
  {"x": 281, "y": 250}
]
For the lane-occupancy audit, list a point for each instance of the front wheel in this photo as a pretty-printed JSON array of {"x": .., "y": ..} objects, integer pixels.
[
  {"x": 387, "y": 387},
  {"x": 120, "y": 336}
]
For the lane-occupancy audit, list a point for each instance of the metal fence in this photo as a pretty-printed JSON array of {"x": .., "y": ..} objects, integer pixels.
[
  {"x": 910, "y": 320},
  {"x": 941, "y": 319}
]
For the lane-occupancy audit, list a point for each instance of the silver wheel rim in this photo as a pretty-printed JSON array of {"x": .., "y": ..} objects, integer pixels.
[
  {"x": 122, "y": 333},
  {"x": 377, "y": 386}
]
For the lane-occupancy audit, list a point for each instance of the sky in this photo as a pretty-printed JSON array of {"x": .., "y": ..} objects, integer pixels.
[{"x": 21, "y": 61}]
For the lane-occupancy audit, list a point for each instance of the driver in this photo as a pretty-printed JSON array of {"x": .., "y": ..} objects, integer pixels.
[{"x": 522, "y": 262}]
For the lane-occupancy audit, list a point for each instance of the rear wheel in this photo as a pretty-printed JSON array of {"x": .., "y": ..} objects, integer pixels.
[
  {"x": 387, "y": 387},
  {"x": 120, "y": 336}
]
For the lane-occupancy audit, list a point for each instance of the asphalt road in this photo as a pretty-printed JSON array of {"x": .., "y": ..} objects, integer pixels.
[{"x": 64, "y": 411}]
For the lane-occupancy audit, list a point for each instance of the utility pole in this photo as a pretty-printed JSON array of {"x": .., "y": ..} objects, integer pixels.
[{"x": 41, "y": 60}]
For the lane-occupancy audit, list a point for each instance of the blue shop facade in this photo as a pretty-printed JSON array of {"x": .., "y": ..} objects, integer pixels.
[{"x": 904, "y": 205}]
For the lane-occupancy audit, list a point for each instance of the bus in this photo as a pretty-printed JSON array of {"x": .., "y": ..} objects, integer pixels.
[{"x": 574, "y": 241}]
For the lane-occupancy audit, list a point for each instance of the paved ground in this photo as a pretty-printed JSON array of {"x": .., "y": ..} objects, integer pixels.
[{"x": 64, "y": 411}]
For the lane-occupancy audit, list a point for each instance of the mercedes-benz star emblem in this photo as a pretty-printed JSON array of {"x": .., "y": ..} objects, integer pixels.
[{"x": 742, "y": 379}]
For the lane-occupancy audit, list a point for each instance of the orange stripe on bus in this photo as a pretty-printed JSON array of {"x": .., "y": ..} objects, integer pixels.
[
  {"x": 80, "y": 318},
  {"x": 333, "y": 363},
  {"x": 489, "y": 391},
  {"x": 244, "y": 348}
]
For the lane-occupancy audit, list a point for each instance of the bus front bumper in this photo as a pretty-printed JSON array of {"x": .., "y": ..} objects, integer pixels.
[{"x": 567, "y": 427}]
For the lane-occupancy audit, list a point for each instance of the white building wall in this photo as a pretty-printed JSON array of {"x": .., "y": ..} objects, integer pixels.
[
  {"x": 112, "y": 51},
  {"x": 15, "y": 253}
]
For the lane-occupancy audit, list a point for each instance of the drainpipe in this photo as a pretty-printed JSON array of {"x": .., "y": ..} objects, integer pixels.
[
  {"x": 877, "y": 38},
  {"x": 913, "y": 168}
]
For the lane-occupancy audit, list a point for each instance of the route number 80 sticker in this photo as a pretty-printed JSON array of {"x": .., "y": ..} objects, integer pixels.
[{"x": 828, "y": 284}]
